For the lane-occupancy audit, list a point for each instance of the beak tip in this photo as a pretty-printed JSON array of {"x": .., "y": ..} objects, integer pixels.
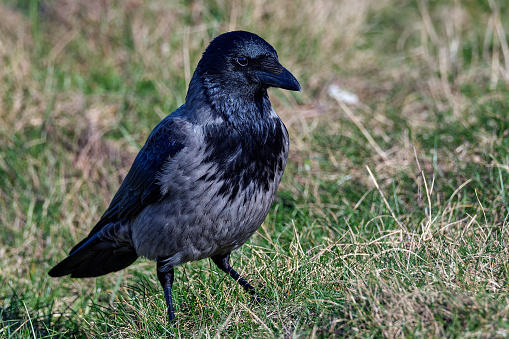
[
  {"x": 292, "y": 83},
  {"x": 296, "y": 88}
]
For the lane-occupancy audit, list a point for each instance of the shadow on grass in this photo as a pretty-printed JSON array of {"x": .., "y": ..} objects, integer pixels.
[{"x": 17, "y": 321}]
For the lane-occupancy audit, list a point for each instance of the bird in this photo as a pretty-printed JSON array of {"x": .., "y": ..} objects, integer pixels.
[{"x": 207, "y": 175}]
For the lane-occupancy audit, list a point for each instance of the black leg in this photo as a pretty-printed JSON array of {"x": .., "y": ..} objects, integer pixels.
[
  {"x": 165, "y": 276},
  {"x": 223, "y": 262}
]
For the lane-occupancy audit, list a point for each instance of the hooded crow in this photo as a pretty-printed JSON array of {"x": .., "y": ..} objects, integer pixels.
[{"x": 207, "y": 175}]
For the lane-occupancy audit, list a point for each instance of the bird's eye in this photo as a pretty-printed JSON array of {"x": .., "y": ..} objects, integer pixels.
[{"x": 242, "y": 61}]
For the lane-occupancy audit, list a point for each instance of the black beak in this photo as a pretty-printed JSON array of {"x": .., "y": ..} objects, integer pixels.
[{"x": 284, "y": 80}]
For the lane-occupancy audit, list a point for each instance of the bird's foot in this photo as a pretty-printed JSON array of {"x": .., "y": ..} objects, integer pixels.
[{"x": 259, "y": 299}]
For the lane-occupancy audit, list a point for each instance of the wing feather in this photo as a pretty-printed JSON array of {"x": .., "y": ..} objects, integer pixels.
[{"x": 140, "y": 186}]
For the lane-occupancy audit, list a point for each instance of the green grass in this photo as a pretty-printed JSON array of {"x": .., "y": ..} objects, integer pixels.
[{"x": 392, "y": 217}]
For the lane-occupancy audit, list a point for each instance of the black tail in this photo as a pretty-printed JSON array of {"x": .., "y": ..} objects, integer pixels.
[{"x": 94, "y": 258}]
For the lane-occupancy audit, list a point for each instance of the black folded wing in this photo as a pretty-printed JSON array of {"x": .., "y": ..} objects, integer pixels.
[{"x": 140, "y": 187}]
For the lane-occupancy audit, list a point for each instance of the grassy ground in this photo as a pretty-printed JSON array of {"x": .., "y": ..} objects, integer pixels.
[{"x": 391, "y": 220}]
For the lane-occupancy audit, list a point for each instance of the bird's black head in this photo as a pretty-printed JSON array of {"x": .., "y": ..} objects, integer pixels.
[{"x": 242, "y": 63}]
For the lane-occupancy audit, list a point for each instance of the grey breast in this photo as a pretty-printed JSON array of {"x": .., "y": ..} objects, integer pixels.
[{"x": 192, "y": 221}]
